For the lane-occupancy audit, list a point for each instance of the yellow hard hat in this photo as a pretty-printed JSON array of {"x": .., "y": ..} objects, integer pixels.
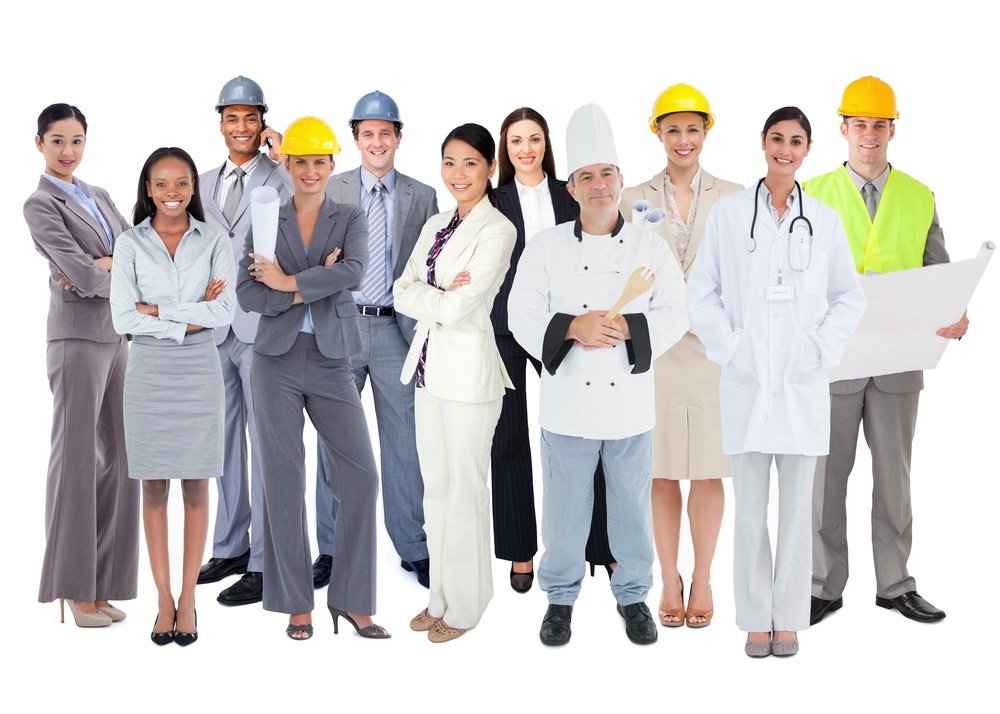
[
  {"x": 869, "y": 97},
  {"x": 308, "y": 136},
  {"x": 680, "y": 98}
]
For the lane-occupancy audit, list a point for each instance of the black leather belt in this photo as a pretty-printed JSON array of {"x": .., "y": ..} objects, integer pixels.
[{"x": 376, "y": 310}]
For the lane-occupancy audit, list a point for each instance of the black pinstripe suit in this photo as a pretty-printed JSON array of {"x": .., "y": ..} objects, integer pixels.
[{"x": 514, "y": 531}]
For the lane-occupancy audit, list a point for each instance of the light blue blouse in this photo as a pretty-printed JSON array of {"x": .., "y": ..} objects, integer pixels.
[{"x": 144, "y": 272}]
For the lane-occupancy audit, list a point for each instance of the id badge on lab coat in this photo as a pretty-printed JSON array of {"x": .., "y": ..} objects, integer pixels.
[{"x": 779, "y": 292}]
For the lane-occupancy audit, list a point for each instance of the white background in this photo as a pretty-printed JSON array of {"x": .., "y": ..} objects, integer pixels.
[{"x": 148, "y": 75}]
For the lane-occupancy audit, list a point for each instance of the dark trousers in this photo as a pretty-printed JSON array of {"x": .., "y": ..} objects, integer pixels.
[{"x": 514, "y": 530}]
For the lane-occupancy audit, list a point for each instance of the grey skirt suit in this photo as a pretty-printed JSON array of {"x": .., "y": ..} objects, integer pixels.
[
  {"x": 91, "y": 506},
  {"x": 174, "y": 396},
  {"x": 687, "y": 438}
]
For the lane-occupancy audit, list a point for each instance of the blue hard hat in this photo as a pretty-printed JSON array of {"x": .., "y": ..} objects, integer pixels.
[
  {"x": 376, "y": 105},
  {"x": 241, "y": 90}
]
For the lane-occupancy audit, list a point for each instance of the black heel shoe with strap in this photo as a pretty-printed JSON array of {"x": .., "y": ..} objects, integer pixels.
[
  {"x": 163, "y": 638},
  {"x": 187, "y": 638},
  {"x": 372, "y": 632}
]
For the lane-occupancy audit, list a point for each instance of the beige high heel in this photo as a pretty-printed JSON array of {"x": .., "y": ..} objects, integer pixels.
[
  {"x": 113, "y": 612},
  {"x": 83, "y": 619}
]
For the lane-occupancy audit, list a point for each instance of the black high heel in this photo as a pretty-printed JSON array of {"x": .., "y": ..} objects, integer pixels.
[
  {"x": 372, "y": 632},
  {"x": 521, "y": 582},
  {"x": 607, "y": 566},
  {"x": 187, "y": 638},
  {"x": 163, "y": 638}
]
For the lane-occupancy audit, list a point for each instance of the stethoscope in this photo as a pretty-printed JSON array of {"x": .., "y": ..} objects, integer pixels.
[{"x": 752, "y": 243}]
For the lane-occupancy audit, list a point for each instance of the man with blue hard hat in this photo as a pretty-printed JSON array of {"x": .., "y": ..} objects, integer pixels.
[
  {"x": 397, "y": 208},
  {"x": 238, "y": 544}
]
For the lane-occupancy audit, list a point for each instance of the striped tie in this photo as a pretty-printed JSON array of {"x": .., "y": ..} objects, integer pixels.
[{"x": 374, "y": 286}]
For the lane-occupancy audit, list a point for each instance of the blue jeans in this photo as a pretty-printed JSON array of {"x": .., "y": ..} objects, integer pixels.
[{"x": 568, "y": 464}]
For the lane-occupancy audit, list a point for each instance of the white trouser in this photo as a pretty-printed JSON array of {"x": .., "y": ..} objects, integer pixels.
[
  {"x": 769, "y": 599},
  {"x": 453, "y": 443}
]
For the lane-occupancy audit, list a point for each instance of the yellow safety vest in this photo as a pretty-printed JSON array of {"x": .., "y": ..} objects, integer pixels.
[{"x": 895, "y": 239}]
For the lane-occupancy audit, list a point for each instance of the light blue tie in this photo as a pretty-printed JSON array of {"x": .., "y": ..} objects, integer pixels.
[{"x": 374, "y": 286}]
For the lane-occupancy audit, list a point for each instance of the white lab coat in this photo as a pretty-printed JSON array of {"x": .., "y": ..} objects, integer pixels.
[
  {"x": 593, "y": 393},
  {"x": 775, "y": 355}
]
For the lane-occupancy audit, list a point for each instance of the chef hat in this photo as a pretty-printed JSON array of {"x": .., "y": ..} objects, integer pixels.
[{"x": 589, "y": 139}]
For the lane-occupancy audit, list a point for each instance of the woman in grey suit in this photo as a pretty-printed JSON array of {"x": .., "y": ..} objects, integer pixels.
[
  {"x": 92, "y": 508},
  {"x": 307, "y": 333},
  {"x": 171, "y": 283}
]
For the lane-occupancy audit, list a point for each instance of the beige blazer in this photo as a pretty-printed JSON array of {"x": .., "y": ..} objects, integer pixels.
[
  {"x": 463, "y": 363},
  {"x": 687, "y": 438},
  {"x": 652, "y": 191}
]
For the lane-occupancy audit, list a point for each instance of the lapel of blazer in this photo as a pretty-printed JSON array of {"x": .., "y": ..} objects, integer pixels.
[
  {"x": 288, "y": 231},
  {"x": 92, "y": 240},
  {"x": 404, "y": 202},
  {"x": 564, "y": 206},
  {"x": 510, "y": 205},
  {"x": 707, "y": 195},
  {"x": 346, "y": 187},
  {"x": 210, "y": 184},
  {"x": 321, "y": 233},
  {"x": 111, "y": 215},
  {"x": 464, "y": 236}
]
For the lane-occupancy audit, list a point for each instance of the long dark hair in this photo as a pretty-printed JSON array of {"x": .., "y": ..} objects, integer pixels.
[
  {"x": 480, "y": 139},
  {"x": 786, "y": 113},
  {"x": 503, "y": 159},
  {"x": 57, "y": 112},
  {"x": 144, "y": 206}
]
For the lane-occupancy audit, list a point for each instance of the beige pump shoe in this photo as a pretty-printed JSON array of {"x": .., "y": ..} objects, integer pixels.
[{"x": 82, "y": 619}]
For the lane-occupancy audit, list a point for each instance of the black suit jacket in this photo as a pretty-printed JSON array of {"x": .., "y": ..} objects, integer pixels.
[{"x": 565, "y": 208}]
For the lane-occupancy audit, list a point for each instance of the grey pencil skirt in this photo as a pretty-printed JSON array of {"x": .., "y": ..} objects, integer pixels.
[{"x": 174, "y": 408}]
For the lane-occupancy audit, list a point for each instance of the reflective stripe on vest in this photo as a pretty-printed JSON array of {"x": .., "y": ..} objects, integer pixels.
[{"x": 895, "y": 241}]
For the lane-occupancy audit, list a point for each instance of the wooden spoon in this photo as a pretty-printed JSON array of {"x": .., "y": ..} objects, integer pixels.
[{"x": 639, "y": 282}]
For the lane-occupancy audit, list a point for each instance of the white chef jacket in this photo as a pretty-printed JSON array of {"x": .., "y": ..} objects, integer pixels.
[
  {"x": 774, "y": 354},
  {"x": 563, "y": 273}
]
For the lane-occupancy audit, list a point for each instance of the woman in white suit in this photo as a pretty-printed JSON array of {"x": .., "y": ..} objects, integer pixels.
[
  {"x": 687, "y": 438},
  {"x": 774, "y": 296},
  {"x": 448, "y": 286}
]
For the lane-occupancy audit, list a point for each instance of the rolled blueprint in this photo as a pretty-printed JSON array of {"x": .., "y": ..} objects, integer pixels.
[
  {"x": 654, "y": 218},
  {"x": 264, "y": 204},
  {"x": 639, "y": 211}
]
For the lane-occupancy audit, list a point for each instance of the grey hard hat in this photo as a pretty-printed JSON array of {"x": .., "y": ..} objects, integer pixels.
[
  {"x": 376, "y": 105},
  {"x": 241, "y": 90}
]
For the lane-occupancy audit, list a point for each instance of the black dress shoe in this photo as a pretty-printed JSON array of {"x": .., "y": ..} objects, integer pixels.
[
  {"x": 245, "y": 591},
  {"x": 521, "y": 582},
  {"x": 420, "y": 568},
  {"x": 321, "y": 570},
  {"x": 820, "y": 608},
  {"x": 639, "y": 624},
  {"x": 555, "y": 625},
  {"x": 913, "y": 606},
  {"x": 218, "y": 568}
]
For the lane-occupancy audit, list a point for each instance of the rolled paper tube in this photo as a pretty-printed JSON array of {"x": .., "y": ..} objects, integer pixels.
[
  {"x": 654, "y": 218},
  {"x": 264, "y": 205},
  {"x": 639, "y": 210}
]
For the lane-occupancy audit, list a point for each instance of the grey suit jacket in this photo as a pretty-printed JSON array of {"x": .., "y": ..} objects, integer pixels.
[
  {"x": 69, "y": 238},
  {"x": 267, "y": 173},
  {"x": 325, "y": 290},
  {"x": 415, "y": 204}
]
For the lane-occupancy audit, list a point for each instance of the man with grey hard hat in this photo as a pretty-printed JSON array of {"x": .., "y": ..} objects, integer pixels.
[
  {"x": 238, "y": 545},
  {"x": 397, "y": 207},
  {"x": 597, "y": 396}
]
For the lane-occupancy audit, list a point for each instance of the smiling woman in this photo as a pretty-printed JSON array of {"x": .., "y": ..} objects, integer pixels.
[
  {"x": 448, "y": 286},
  {"x": 91, "y": 510},
  {"x": 171, "y": 284}
]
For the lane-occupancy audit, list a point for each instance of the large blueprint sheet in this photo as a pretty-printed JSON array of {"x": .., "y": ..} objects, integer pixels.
[{"x": 905, "y": 310}]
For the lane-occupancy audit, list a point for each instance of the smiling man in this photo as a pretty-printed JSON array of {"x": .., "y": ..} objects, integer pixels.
[
  {"x": 597, "y": 386},
  {"x": 238, "y": 545},
  {"x": 891, "y": 224},
  {"x": 397, "y": 208}
]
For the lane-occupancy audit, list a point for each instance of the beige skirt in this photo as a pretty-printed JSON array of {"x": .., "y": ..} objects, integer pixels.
[{"x": 687, "y": 438}]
